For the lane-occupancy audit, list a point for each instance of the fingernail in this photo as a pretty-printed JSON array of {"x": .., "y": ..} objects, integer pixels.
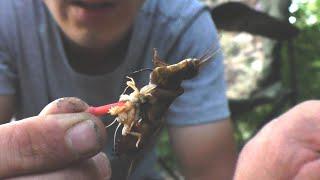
[
  {"x": 84, "y": 138},
  {"x": 71, "y": 104}
]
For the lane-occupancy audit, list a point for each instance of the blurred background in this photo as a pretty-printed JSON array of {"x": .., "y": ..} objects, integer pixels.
[{"x": 272, "y": 62}]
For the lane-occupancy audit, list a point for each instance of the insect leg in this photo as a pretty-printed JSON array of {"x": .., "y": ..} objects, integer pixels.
[
  {"x": 115, "y": 134},
  {"x": 130, "y": 168},
  {"x": 138, "y": 135},
  {"x": 115, "y": 120},
  {"x": 124, "y": 91},
  {"x": 157, "y": 61},
  {"x": 132, "y": 84}
]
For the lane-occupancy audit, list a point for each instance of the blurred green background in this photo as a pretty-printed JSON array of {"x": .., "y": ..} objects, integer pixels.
[{"x": 305, "y": 14}]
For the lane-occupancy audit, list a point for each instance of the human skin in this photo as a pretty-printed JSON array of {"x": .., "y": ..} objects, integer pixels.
[
  {"x": 62, "y": 142},
  {"x": 94, "y": 28},
  {"x": 286, "y": 148}
]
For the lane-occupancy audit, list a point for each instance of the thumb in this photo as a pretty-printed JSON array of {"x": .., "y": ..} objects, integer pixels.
[{"x": 65, "y": 105}]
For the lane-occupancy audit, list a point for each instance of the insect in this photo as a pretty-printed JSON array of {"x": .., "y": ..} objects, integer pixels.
[
  {"x": 128, "y": 115},
  {"x": 141, "y": 112}
]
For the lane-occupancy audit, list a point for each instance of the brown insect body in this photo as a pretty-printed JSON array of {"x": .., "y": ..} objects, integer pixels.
[
  {"x": 171, "y": 76},
  {"x": 166, "y": 81}
]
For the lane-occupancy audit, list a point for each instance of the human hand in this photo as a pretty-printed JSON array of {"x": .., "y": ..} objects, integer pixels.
[
  {"x": 62, "y": 142},
  {"x": 286, "y": 148}
]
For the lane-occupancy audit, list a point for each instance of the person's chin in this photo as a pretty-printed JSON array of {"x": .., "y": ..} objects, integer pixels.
[{"x": 91, "y": 16}]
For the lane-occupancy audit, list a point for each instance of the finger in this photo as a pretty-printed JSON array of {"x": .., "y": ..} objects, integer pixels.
[
  {"x": 97, "y": 168},
  {"x": 49, "y": 142},
  {"x": 310, "y": 171},
  {"x": 301, "y": 124},
  {"x": 65, "y": 105},
  {"x": 298, "y": 113}
]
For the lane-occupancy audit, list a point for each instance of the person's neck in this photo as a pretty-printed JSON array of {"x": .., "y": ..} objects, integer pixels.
[{"x": 95, "y": 61}]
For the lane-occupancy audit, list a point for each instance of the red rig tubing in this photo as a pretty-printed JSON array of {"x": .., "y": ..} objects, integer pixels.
[{"x": 103, "y": 110}]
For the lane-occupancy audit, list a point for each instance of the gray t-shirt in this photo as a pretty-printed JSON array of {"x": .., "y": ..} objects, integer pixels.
[{"x": 34, "y": 67}]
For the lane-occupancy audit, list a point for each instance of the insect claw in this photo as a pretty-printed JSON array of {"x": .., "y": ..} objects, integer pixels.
[
  {"x": 137, "y": 144},
  {"x": 132, "y": 84}
]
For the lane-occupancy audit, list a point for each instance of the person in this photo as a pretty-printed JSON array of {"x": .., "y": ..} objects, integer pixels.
[
  {"x": 286, "y": 148},
  {"x": 84, "y": 48}
]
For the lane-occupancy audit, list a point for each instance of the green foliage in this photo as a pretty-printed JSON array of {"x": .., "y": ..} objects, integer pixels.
[
  {"x": 165, "y": 150},
  {"x": 306, "y": 12},
  {"x": 308, "y": 62}
]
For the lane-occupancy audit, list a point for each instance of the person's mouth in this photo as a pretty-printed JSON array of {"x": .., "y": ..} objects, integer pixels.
[{"x": 92, "y": 5}]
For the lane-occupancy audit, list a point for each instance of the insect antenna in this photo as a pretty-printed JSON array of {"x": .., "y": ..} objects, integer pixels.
[
  {"x": 208, "y": 55},
  {"x": 139, "y": 71}
]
